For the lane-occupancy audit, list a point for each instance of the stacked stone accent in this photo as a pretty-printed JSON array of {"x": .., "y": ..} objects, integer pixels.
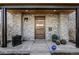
[
  {"x": 61, "y": 24},
  {"x": 13, "y": 25},
  {"x": 72, "y": 26},
  {"x": 64, "y": 27}
]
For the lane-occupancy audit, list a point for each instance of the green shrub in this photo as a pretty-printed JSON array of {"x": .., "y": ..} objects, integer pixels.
[{"x": 54, "y": 37}]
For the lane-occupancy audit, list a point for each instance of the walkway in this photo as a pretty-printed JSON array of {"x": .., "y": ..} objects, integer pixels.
[
  {"x": 40, "y": 47},
  {"x": 27, "y": 47}
]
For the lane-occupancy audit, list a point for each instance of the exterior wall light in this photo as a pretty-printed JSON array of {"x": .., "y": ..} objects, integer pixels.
[
  {"x": 54, "y": 10},
  {"x": 26, "y": 19}
]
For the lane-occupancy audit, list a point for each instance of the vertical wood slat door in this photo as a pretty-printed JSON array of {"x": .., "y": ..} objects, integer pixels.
[{"x": 39, "y": 27}]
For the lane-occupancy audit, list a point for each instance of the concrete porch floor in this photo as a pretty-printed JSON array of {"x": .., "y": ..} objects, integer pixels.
[{"x": 38, "y": 47}]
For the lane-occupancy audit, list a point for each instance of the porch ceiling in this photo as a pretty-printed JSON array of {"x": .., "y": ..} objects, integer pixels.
[{"x": 41, "y": 11}]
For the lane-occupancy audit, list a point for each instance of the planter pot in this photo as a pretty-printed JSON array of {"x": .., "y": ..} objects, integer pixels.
[
  {"x": 58, "y": 42},
  {"x": 54, "y": 40},
  {"x": 16, "y": 40},
  {"x": 63, "y": 42},
  {"x": 70, "y": 40},
  {"x": 73, "y": 41}
]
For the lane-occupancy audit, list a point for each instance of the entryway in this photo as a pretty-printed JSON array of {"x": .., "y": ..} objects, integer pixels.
[{"x": 39, "y": 27}]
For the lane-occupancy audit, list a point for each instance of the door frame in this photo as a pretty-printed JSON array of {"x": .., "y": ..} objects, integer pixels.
[{"x": 35, "y": 27}]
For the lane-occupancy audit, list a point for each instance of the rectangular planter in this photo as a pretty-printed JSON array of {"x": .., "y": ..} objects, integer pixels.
[{"x": 16, "y": 40}]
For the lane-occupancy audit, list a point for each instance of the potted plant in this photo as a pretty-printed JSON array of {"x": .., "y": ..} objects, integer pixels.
[
  {"x": 54, "y": 37},
  {"x": 73, "y": 41}
]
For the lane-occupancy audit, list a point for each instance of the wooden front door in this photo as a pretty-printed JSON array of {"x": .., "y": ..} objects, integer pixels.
[{"x": 39, "y": 27}]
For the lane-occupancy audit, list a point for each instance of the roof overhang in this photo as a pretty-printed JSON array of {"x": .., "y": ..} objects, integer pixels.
[
  {"x": 39, "y": 5},
  {"x": 53, "y": 4}
]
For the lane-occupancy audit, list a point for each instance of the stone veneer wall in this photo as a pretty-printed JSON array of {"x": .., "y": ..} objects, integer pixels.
[
  {"x": 9, "y": 26},
  {"x": 28, "y": 27},
  {"x": 52, "y": 21},
  {"x": 64, "y": 27},
  {"x": 13, "y": 25},
  {"x": 72, "y": 26},
  {"x": 59, "y": 24}
]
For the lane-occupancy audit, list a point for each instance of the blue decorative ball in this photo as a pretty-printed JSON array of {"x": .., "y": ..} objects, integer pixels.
[{"x": 53, "y": 47}]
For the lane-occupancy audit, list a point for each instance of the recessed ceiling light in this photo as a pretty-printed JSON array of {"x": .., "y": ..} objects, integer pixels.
[
  {"x": 54, "y": 10},
  {"x": 26, "y": 10}
]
